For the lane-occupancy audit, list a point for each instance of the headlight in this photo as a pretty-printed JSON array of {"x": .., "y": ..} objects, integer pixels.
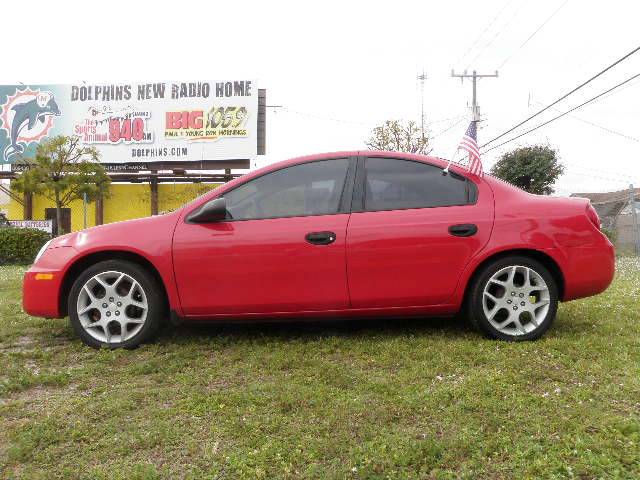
[{"x": 42, "y": 250}]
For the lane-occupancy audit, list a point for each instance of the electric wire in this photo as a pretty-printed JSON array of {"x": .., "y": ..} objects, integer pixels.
[
  {"x": 563, "y": 96},
  {"x": 592, "y": 99},
  {"x": 486, "y": 28},
  {"x": 532, "y": 35},
  {"x": 498, "y": 33},
  {"x": 459, "y": 120},
  {"x": 601, "y": 127},
  {"x": 353, "y": 122}
]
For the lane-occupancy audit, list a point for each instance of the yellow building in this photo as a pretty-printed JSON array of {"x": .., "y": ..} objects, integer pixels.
[{"x": 125, "y": 201}]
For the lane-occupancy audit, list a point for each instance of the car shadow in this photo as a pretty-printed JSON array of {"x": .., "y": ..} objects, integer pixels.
[{"x": 318, "y": 328}]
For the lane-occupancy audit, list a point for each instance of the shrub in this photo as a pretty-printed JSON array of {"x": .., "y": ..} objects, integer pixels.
[
  {"x": 611, "y": 233},
  {"x": 20, "y": 245}
]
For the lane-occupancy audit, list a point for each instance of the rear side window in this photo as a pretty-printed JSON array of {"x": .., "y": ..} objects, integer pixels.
[
  {"x": 307, "y": 189},
  {"x": 393, "y": 184}
]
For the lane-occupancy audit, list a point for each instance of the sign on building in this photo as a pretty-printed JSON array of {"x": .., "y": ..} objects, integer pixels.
[
  {"x": 44, "y": 225},
  {"x": 134, "y": 123}
]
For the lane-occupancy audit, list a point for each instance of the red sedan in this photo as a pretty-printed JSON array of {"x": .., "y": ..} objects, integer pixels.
[{"x": 335, "y": 235}]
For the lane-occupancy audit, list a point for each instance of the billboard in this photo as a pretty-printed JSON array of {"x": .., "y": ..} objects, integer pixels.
[{"x": 134, "y": 123}]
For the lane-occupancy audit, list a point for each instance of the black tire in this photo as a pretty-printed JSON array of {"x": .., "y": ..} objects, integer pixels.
[
  {"x": 154, "y": 293},
  {"x": 474, "y": 302}
]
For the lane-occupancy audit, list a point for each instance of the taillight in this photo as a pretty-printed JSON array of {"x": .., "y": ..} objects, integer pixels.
[{"x": 593, "y": 216}]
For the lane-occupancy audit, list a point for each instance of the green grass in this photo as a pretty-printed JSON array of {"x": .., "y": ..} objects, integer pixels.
[{"x": 425, "y": 398}]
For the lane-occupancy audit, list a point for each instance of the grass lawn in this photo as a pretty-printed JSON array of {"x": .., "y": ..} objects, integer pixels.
[{"x": 425, "y": 398}]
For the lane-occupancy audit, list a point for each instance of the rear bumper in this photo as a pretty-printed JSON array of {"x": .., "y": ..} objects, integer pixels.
[{"x": 588, "y": 270}]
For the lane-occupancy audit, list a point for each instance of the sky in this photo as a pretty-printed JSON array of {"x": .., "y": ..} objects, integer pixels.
[{"x": 340, "y": 68}]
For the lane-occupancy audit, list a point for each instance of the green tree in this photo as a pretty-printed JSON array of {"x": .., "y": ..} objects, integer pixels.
[
  {"x": 534, "y": 169},
  {"x": 399, "y": 136},
  {"x": 63, "y": 171}
]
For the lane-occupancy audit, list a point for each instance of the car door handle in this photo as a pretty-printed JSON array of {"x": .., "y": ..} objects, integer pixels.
[
  {"x": 463, "y": 230},
  {"x": 320, "y": 238}
]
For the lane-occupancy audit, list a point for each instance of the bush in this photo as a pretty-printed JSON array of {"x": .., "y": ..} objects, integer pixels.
[
  {"x": 611, "y": 233},
  {"x": 20, "y": 245}
]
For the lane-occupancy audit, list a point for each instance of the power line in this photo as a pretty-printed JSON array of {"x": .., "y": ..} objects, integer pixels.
[
  {"x": 598, "y": 177},
  {"x": 475, "y": 42},
  {"x": 564, "y": 96},
  {"x": 533, "y": 34},
  {"x": 498, "y": 33},
  {"x": 354, "y": 122},
  {"x": 595, "y": 174},
  {"x": 460, "y": 119},
  {"x": 621, "y": 90},
  {"x": 446, "y": 119},
  {"x": 328, "y": 119},
  {"x": 592, "y": 99},
  {"x": 608, "y": 173},
  {"x": 606, "y": 129},
  {"x": 601, "y": 127}
]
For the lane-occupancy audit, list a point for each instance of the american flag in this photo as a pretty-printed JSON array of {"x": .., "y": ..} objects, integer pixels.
[{"x": 469, "y": 143}]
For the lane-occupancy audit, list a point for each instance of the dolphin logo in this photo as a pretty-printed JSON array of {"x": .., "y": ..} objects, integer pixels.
[{"x": 27, "y": 114}]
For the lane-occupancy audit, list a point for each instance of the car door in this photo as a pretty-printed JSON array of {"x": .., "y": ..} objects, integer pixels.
[
  {"x": 412, "y": 231},
  {"x": 282, "y": 248}
]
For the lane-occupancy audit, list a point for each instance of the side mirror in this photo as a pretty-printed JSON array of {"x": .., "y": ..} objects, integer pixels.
[{"x": 212, "y": 211}]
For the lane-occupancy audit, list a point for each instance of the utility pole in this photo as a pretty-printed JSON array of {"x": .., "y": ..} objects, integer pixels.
[
  {"x": 634, "y": 217},
  {"x": 475, "y": 110},
  {"x": 422, "y": 78}
]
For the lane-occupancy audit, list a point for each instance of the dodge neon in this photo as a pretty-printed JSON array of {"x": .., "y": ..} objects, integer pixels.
[{"x": 349, "y": 234}]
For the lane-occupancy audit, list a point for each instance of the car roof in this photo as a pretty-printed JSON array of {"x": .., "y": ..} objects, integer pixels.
[{"x": 351, "y": 153}]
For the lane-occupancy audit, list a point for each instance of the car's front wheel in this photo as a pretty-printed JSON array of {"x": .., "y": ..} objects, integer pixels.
[
  {"x": 514, "y": 298},
  {"x": 115, "y": 303}
]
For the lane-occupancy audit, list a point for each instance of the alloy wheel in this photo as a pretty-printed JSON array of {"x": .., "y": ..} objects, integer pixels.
[
  {"x": 516, "y": 300},
  {"x": 112, "y": 307}
]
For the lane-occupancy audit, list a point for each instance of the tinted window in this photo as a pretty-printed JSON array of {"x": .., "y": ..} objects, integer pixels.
[
  {"x": 392, "y": 184},
  {"x": 308, "y": 189}
]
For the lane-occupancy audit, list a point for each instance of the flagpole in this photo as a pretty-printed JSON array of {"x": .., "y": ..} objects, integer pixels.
[{"x": 446, "y": 169}]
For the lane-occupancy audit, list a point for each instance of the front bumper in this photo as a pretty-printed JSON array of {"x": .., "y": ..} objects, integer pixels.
[{"x": 43, "y": 281}]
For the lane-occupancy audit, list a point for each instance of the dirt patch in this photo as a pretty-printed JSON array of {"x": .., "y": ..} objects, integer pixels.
[
  {"x": 37, "y": 398},
  {"x": 28, "y": 344},
  {"x": 21, "y": 344}
]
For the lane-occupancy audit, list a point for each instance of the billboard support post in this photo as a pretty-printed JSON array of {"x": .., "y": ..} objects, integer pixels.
[
  {"x": 99, "y": 210},
  {"x": 153, "y": 185},
  {"x": 28, "y": 206},
  {"x": 262, "y": 122},
  {"x": 84, "y": 210}
]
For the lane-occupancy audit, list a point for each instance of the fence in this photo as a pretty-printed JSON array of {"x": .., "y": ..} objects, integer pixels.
[{"x": 619, "y": 214}]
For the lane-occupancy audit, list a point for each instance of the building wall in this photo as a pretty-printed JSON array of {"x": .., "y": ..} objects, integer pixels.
[
  {"x": 624, "y": 227},
  {"x": 4, "y": 200},
  {"x": 125, "y": 201}
]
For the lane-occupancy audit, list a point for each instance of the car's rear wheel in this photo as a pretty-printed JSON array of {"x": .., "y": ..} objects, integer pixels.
[
  {"x": 514, "y": 298},
  {"x": 116, "y": 303}
]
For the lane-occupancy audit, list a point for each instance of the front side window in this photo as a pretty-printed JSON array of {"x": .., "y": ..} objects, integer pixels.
[
  {"x": 393, "y": 184},
  {"x": 301, "y": 190}
]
